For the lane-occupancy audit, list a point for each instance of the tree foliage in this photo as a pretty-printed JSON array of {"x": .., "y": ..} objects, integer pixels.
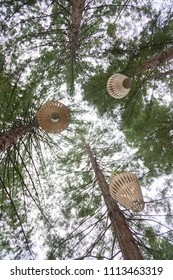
[{"x": 48, "y": 189}]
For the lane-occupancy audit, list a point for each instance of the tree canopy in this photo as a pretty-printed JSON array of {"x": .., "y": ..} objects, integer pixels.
[{"x": 51, "y": 206}]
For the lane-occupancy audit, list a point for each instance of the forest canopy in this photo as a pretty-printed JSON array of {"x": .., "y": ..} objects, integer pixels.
[{"x": 52, "y": 198}]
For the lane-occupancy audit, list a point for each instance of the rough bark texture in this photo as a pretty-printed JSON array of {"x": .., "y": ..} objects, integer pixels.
[
  {"x": 128, "y": 246},
  {"x": 10, "y": 137},
  {"x": 164, "y": 57},
  {"x": 76, "y": 18}
]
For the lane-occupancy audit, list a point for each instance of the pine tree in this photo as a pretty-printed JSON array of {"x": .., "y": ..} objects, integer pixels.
[
  {"x": 55, "y": 45},
  {"x": 84, "y": 219},
  {"x": 21, "y": 146},
  {"x": 125, "y": 238}
]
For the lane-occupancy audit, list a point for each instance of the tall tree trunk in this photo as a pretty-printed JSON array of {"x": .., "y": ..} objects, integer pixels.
[
  {"x": 164, "y": 57},
  {"x": 76, "y": 18},
  {"x": 10, "y": 137},
  {"x": 127, "y": 243}
]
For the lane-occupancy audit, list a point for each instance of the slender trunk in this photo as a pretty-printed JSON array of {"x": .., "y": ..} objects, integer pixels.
[
  {"x": 164, "y": 57},
  {"x": 127, "y": 243},
  {"x": 76, "y": 18},
  {"x": 10, "y": 137}
]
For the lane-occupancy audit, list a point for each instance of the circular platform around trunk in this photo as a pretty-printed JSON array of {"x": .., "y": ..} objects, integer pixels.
[
  {"x": 53, "y": 117},
  {"x": 126, "y": 190},
  {"x": 119, "y": 85}
]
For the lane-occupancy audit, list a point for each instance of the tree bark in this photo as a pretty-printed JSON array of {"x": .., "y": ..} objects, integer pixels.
[
  {"x": 164, "y": 57},
  {"x": 127, "y": 242},
  {"x": 76, "y": 18},
  {"x": 10, "y": 137}
]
